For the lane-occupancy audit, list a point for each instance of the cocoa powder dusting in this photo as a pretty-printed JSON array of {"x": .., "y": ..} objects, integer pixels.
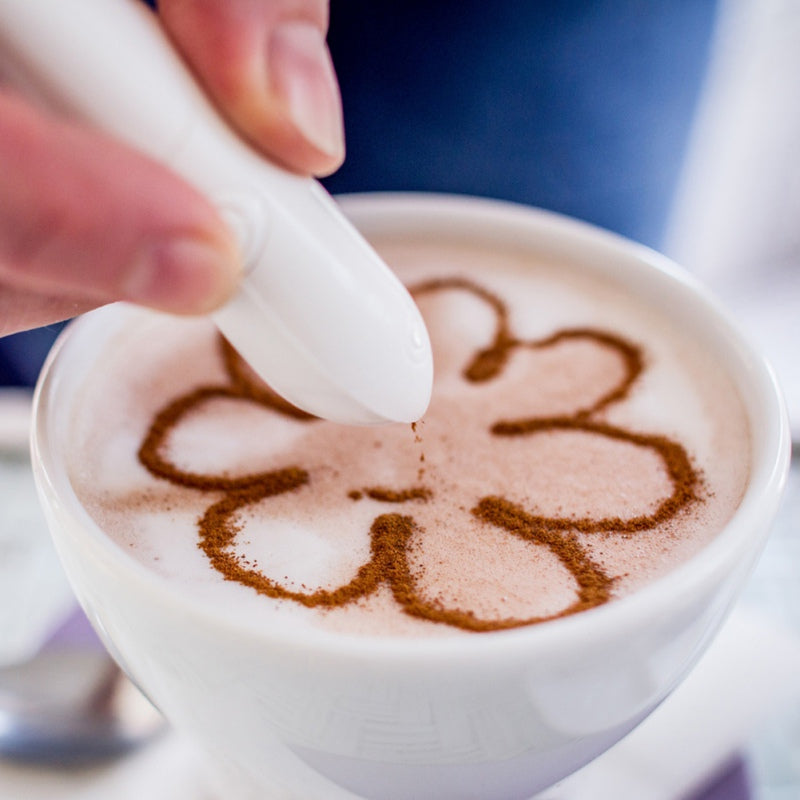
[
  {"x": 391, "y": 535},
  {"x": 398, "y": 496}
]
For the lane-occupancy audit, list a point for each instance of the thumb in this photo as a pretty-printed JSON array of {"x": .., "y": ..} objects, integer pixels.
[{"x": 85, "y": 217}]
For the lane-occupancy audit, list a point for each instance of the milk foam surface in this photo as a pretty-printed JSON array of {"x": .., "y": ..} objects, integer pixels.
[{"x": 318, "y": 535}]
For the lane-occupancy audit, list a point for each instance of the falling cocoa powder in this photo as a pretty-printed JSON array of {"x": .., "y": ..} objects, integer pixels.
[
  {"x": 391, "y": 534},
  {"x": 418, "y": 441}
]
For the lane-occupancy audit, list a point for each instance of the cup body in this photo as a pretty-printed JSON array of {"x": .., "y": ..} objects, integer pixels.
[{"x": 495, "y": 717}]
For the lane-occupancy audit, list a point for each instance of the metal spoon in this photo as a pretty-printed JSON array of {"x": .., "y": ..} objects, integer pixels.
[{"x": 72, "y": 706}]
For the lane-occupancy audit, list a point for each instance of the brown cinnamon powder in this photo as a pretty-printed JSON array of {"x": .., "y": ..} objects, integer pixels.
[{"x": 391, "y": 534}]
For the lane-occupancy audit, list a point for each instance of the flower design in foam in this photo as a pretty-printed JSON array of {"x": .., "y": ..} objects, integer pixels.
[{"x": 516, "y": 446}]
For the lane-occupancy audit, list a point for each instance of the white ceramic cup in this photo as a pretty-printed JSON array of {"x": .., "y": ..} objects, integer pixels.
[{"x": 312, "y": 714}]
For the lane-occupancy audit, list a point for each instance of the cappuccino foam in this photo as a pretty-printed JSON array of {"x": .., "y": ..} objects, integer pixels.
[{"x": 578, "y": 446}]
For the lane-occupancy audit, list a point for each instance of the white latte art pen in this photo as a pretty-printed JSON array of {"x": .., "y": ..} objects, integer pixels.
[{"x": 318, "y": 314}]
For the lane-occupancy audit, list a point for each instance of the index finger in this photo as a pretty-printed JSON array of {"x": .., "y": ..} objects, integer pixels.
[{"x": 266, "y": 65}]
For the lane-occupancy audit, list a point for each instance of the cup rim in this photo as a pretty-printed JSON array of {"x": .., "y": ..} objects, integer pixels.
[{"x": 744, "y": 534}]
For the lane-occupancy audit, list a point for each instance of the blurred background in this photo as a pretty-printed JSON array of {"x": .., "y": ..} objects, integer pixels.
[{"x": 675, "y": 124}]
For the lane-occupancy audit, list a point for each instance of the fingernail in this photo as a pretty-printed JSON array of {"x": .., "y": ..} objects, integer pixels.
[
  {"x": 182, "y": 276},
  {"x": 302, "y": 75}
]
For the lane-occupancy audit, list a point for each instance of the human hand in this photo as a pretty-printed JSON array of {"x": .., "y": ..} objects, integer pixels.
[{"x": 85, "y": 220}]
